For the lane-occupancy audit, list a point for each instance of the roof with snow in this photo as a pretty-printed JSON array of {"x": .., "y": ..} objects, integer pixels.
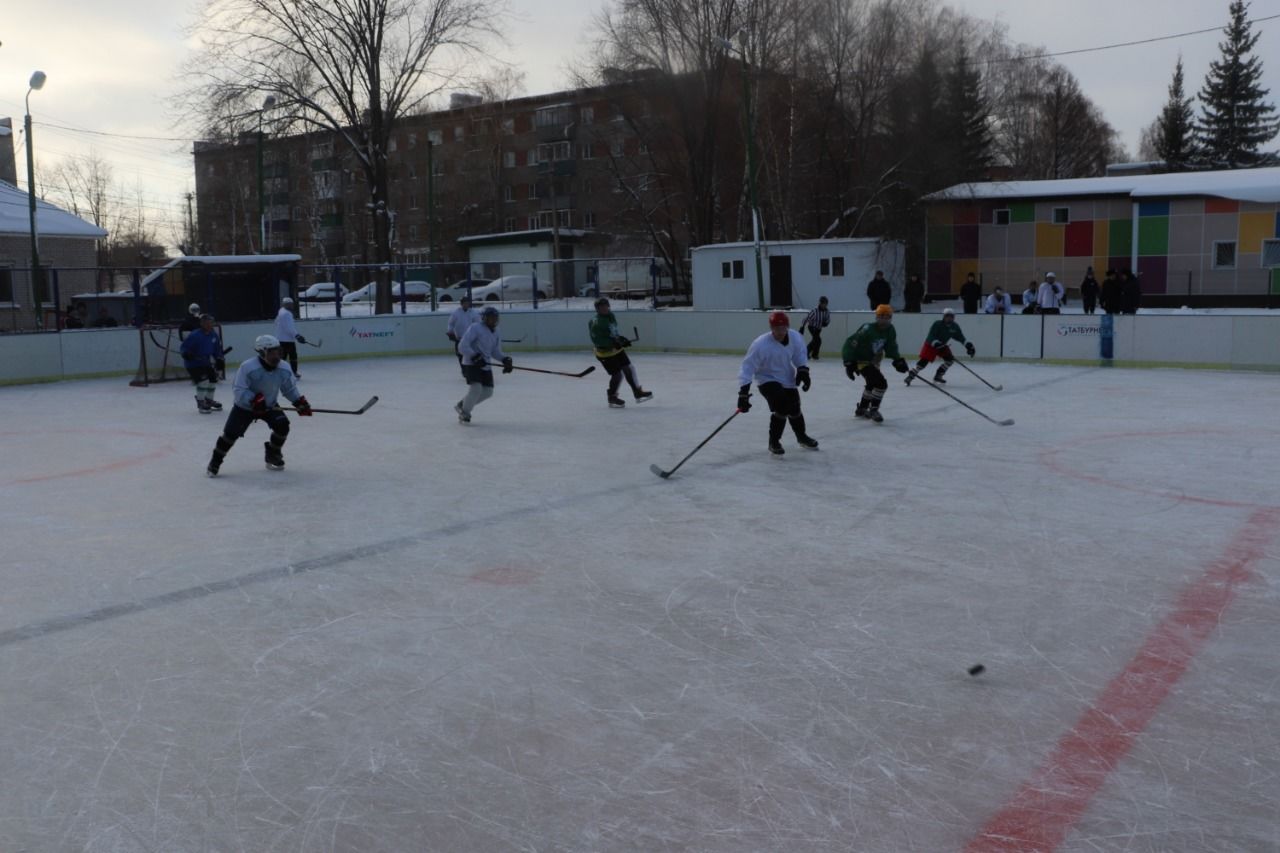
[
  {"x": 51, "y": 221},
  {"x": 1258, "y": 185}
]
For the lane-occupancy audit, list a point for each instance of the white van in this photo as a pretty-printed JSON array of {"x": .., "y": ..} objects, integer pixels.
[{"x": 509, "y": 288}]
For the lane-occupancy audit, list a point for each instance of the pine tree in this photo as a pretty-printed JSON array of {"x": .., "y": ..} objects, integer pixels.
[
  {"x": 1174, "y": 137},
  {"x": 970, "y": 120},
  {"x": 1235, "y": 119}
]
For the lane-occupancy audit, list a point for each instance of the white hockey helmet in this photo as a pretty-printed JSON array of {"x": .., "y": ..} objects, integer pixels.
[
  {"x": 265, "y": 342},
  {"x": 193, "y": 308},
  {"x": 286, "y": 301},
  {"x": 947, "y": 311}
]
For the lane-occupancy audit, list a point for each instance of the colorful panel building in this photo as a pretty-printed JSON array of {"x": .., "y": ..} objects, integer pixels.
[{"x": 1213, "y": 236}]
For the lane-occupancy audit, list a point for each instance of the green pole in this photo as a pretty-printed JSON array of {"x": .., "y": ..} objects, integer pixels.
[{"x": 751, "y": 177}]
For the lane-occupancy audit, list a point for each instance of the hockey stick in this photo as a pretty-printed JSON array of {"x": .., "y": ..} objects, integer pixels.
[
  {"x": 665, "y": 474},
  {"x": 980, "y": 379},
  {"x": 1005, "y": 422},
  {"x": 513, "y": 340},
  {"x": 540, "y": 370},
  {"x": 360, "y": 411},
  {"x": 316, "y": 345}
]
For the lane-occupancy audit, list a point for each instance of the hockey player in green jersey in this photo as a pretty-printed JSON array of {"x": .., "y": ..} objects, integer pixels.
[
  {"x": 935, "y": 346},
  {"x": 610, "y": 348},
  {"x": 862, "y": 353}
]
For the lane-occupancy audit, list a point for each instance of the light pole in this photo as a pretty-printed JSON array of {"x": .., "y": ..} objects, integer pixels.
[
  {"x": 36, "y": 84},
  {"x": 729, "y": 47},
  {"x": 267, "y": 103}
]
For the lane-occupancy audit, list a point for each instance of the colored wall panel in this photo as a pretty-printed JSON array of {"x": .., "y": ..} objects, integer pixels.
[
  {"x": 1218, "y": 226},
  {"x": 1254, "y": 228},
  {"x": 1100, "y": 265},
  {"x": 1120, "y": 241},
  {"x": 1185, "y": 234},
  {"x": 940, "y": 214},
  {"x": 964, "y": 242},
  {"x": 969, "y": 214},
  {"x": 938, "y": 278},
  {"x": 1022, "y": 211},
  {"x": 939, "y": 242},
  {"x": 1153, "y": 235},
  {"x": 1186, "y": 207},
  {"x": 1050, "y": 240},
  {"x": 993, "y": 241},
  {"x": 1275, "y": 281},
  {"x": 1101, "y": 237},
  {"x": 1153, "y": 208},
  {"x": 1079, "y": 239},
  {"x": 1022, "y": 240},
  {"x": 1153, "y": 272},
  {"x": 1221, "y": 205},
  {"x": 960, "y": 269}
]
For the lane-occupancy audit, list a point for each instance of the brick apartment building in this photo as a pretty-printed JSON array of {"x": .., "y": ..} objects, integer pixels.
[{"x": 568, "y": 160}]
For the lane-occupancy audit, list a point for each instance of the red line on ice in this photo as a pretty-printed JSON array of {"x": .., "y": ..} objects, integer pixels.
[{"x": 1047, "y": 806}]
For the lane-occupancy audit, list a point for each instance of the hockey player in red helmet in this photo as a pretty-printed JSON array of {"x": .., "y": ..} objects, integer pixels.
[{"x": 778, "y": 363}]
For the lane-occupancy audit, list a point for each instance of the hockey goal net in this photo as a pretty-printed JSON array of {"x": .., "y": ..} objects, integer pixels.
[{"x": 159, "y": 358}]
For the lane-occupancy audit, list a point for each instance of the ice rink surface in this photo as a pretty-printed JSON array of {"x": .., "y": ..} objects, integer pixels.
[{"x": 511, "y": 636}]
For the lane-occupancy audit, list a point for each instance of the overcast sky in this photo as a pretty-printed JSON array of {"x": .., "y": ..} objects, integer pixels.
[{"x": 112, "y": 65}]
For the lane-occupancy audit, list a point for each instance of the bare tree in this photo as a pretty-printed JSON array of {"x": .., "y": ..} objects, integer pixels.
[{"x": 354, "y": 68}]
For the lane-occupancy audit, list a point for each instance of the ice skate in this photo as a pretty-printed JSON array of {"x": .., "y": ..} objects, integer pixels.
[
  {"x": 775, "y": 447},
  {"x": 616, "y": 403},
  {"x": 202, "y": 406},
  {"x": 875, "y": 415},
  {"x": 274, "y": 458},
  {"x": 860, "y": 411},
  {"x": 807, "y": 442},
  {"x": 463, "y": 417},
  {"x": 214, "y": 404},
  {"x": 642, "y": 395}
]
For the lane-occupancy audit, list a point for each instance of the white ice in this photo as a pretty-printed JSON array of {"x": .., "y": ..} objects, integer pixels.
[{"x": 511, "y": 636}]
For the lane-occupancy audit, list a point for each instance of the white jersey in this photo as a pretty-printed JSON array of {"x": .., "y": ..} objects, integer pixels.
[
  {"x": 286, "y": 331},
  {"x": 1028, "y": 297},
  {"x": 459, "y": 321},
  {"x": 481, "y": 344},
  {"x": 767, "y": 360},
  {"x": 1002, "y": 305},
  {"x": 253, "y": 379},
  {"x": 1050, "y": 295}
]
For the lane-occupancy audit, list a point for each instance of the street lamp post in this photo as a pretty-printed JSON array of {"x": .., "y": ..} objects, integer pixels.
[
  {"x": 267, "y": 103},
  {"x": 749, "y": 119},
  {"x": 36, "y": 84}
]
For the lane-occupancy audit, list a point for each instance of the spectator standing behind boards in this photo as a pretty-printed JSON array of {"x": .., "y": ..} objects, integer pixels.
[
  {"x": 879, "y": 291},
  {"x": 817, "y": 320},
  {"x": 1049, "y": 296},
  {"x": 970, "y": 294},
  {"x": 1029, "y": 298},
  {"x": 70, "y": 320},
  {"x": 1111, "y": 292},
  {"x": 1089, "y": 290},
  {"x": 1130, "y": 292},
  {"x": 999, "y": 302},
  {"x": 105, "y": 320},
  {"x": 287, "y": 335},
  {"x": 913, "y": 295}
]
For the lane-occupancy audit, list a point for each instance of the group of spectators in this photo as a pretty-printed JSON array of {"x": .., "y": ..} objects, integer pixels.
[
  {"x": 77, "y": 317},
  {"x": 1119, "y": 293}
]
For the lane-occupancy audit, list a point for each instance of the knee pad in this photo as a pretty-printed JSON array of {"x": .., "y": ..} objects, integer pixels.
[{"x": 224, "y": 442}]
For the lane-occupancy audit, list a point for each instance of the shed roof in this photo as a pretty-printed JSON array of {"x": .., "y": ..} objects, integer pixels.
[
  {"x": 51, "y": 221},
  {"x": 1258, "y": 185}
]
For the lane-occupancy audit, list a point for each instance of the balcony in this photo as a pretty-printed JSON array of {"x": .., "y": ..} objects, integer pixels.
[{"x": 558, "y": 169}]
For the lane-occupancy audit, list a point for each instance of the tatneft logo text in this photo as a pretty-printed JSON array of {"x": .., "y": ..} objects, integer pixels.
[
  {"x": 1072, "y": 330},
  {"x": 358, "y": 333}
]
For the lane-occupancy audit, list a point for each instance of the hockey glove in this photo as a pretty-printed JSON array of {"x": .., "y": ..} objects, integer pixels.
[
  {"x": 303, "y": 407},
  {"x": 802, "y": 377},
  {"x": 621, "y": 343},
  {"x": 300, "y": 339},
  {"x": 506, "y": 365},
  {"x": 851, "y": 369},
  {"x": 452, "y": 337},
  {"x": 259, "y": 405},
  {"x": 968, "y": 347},
  {"x": 744, "y": 398},
  {"x": 900, "y": 365},
  {"x": 220, "y": 365},
  {"x": 937, "y": 344}
]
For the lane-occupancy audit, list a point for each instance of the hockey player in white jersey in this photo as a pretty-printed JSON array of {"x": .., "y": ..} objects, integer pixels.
[
  {"x": 461, "y": 319},
  {"x": 480, "y": 348},
  {"x": 777, "y": 361},
  {"x": 258, "y": 385}
]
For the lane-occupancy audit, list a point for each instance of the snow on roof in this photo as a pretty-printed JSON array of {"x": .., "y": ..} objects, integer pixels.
[
  {"x": 1258, "y": 185},
  {"x": 831, "y": 241},
  {"x": 51, "y": 221},
  {"x": 213, "y": 260},
  {"x": 518, "y": 236}
]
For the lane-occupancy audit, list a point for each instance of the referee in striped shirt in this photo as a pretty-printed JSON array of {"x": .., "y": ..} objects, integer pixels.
[{"x": 817, "y": 320}]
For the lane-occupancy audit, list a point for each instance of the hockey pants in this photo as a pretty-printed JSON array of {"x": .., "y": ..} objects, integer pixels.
[{"x": 784, "y": 408}]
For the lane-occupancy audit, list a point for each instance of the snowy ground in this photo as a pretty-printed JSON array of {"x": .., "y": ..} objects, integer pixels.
[{"x": 512, "y": 636}]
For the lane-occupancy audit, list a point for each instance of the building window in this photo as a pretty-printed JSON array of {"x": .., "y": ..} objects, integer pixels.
[
  {"x": 533, "y": 191},
  {"x": 413, "y": 140},
  {"x": 532, "y": 224},
  {"x": 586, "y": 151},
  {"x": 458, "y": 132},
  {"x": 644, "y": 147},
  {"x": 615, "y": 148},
  {"x": 391, "y": 145},
  {"x": 732, "y": 269},
  {"x": 1000, "y": 217},
  {"x": 588, "y": 115},
  {"x": 413, "y": 201},
  {"x": 1271, "y": 253},
  {"x": 509, "y": 159},
  {"x": 555, "y": 151},
  {"x": 508, "y": 193},
  {"x": 435, "y": 137},
  {"x": 413, "y": 232},
  {"x": 6, "y": 285},
  {"x": 509, "y": 224},
  {"x": 413, "y": 170},
  {"x": 833, "y": 267},
  {"x": 1224, "y": 254},
  {"x": 508, "y": 127},
  {"x": 1061, "y": 215},
  {"x": 588, "y": 219}
]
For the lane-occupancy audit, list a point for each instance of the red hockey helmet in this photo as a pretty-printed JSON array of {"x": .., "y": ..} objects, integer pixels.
[{"x": 779, "y": 318}]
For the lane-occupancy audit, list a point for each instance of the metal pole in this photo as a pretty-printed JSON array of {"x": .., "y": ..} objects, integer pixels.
[
  {"x": 751, "y": 175},
  {"x": 262, "y": 213},
  {"x": 431, "y": 220},
  {"x": 31, "y": 203}
]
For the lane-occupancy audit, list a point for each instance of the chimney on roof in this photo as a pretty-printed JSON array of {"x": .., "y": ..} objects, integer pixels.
[{"x": 8, "y": 166}]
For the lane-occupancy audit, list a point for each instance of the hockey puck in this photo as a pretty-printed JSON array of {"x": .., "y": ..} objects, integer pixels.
[{"x": 977, "y": 669}]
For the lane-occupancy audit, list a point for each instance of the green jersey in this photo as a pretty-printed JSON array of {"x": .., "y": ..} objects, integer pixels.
[
  {"x": 943, "y": 331},
  {"x": 871, "y": 343},
  {"x": 604, "y": 332}
]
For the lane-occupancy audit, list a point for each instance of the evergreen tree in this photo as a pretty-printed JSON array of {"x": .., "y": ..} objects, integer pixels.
[
  {"x": 1235, "y": 119},
  {"x": 1174, "y": 137},
  {"x": 970, "y": 120}
]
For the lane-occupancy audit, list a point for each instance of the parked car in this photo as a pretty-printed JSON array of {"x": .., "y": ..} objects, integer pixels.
[
  {"x": 511, "y": 288},
  {"x": 458, "y": 289},
  {"x": 322, "y": 290},
  {"x": 415, "y": 291}
]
